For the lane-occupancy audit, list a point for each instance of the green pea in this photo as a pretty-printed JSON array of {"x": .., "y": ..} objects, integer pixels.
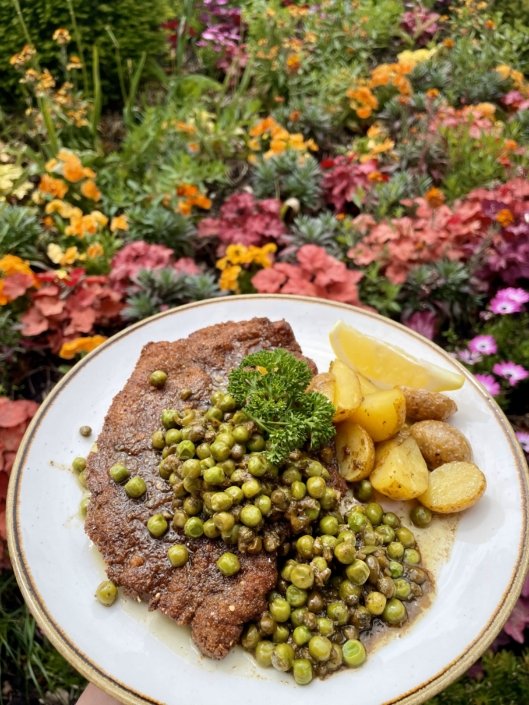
[
  {"x": 221, "y": 502},
  {"x": 391, "y": 519},
  {"x": 158, "y": 378},
  {"x": 290, "y": 475},
  {"x": 402, "y": 589},
  {"x": 185, "y": 450},
  {"x": 236, "y": 494},
  {"x": 283, "y": 657},
  {"x": 191, "y": 485},
  {"x": 358, "y": 572},
  {"x": 395, "y": 549},
  {"x": 220, "y": 451},
  {"x": 302, "y": 576},
  {"x": 263, "y": 653},
  {"x": 297, "y": 615},
  {"x": 192, "y": 506},
  {"x": 227, "y": 403},
  {"x": 256, "y": 444},
  {"x": 228, "y": 564},
  {"x": 329, "y": 525},
  {"x": 203, "y": 451},
  {"x": 81, "y": 479},
  {"x": 316, "y": 487},
  {"x": 224, "y": 521},
  {"x": 173, "y": 436},
  {"x": 421, "y": 516},
  {"x": 241, "y": 434},
  {"x": 375, "y": 602},
  {"x": 405, "y": 536},
  {"x": 135, "y": 487},
  {"x": 374, "y": 513},
  {"x": 305, "y": 546},
  {"x": 78, "y": 464},
  {"x": 345, "y": 552},
  {"x": 263, "y": 504},
  {"x": 385, "y": 533},
  {"x": 119, "y": 473},
  {"x": 251, "y": 488},
  {"x": 330, "y": 499},
  {"x": 257, "y": 465},
  {"x": 302, "y": 671},
  {"x": 395, "y": 569},
  {"x": 338, "y": 612},
  {"x": 325, "y": 626},
  {"x": 412, "y": 556},
  {"x": 179, "y": 519},
  {"x": 354, "y": 653},
  {"x": 158, "y": 440},
  {"x": 281, "y": 634},
  {"x": 107, "y": 593},
  {"x": 178, "y": 555},
  {"x": 357, "y": 521},
  {"x": 301, "y": 635},
  {"x": 210, "y": 530},
  {"x": 206, "y": 463},
  {"x": 314, "y": 469},
  {"x": 157, "y": 525},
  {"x": 363, "y": 491},
  {"x": 194, "y": 527},
  {"x": 349, "y": 592},
  {"x": 298, "y": 490},
  {"x": 251, "y": 516},
  {"x": 296, "y": 596},
  {"x": 227, "y": 438},
  {"x": 214, "y": 413},
  {"x": 169, "y": 418},
  {"x": 250, "y": 638},
  {"x": 320, "y": 648},
  {"x": 85, "y": 431},
  {"x": 214, "y": 475},
  {"x": 280, "y": 609},
  {"x": 83, "y": 506},
  {"x": 394, "y": 611}
]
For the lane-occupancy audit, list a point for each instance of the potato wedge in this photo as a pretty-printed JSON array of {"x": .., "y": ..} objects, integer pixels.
[
  {"x": 355, "y": 451},
  {"x": 366, "y": 385},
  {"x": 400, "y": 471},
  {"x": 422, "y": 405},
  {"x": 381, "y": 413},
  {"x": 440, "y": 443},
  {"x": 325, "y": 384},
  {"x": 453, "y": 487},
  {"x": 347, "y": 395}
]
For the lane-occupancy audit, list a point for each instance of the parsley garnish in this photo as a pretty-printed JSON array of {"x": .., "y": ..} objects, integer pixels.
[{"x": 270, "y": 386}]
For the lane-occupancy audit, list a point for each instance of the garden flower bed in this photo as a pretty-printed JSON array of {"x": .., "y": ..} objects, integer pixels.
[{"x": 373, "y": 152}]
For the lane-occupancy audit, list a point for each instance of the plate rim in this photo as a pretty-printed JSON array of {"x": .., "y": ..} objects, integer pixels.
[{"x": 121, "y": 691}]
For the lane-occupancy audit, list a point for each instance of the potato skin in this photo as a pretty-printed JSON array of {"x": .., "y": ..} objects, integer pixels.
[
  {"x": 422, "y": 405},
  {"x": 440, "y": 443}
]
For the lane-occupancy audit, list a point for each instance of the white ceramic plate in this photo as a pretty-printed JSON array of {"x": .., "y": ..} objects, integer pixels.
[{"x": 142, "y": 657}]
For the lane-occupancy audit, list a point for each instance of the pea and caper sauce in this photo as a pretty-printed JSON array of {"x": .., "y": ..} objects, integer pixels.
[{"x": 342, "y": 573}]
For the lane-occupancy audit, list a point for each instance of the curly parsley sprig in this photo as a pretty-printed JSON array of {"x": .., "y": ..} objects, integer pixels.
[{"x": 270, "y": 386}]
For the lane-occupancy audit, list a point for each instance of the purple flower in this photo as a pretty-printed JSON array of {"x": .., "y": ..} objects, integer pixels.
[
  {"x": 523, "y": 438},
  {"x": 504, "y": 306},
  {"x": 518, "y": 296},
  {"x": 424, "y": 322},
  {"x": 490, "y": 384},
  {"x": 484, "y": 344},
  {"x": 510, "y": 371},
  {"x": 469, "y": 357},
  {"x": 518, "y": 621}
]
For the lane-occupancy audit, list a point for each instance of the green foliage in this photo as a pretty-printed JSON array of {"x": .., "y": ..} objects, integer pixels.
[
  {"x": 505, "y": 681},
  {"x": 20, "y": 231},
  {"x": 321, "y": 230},
  {"x": 513, "y": 9},
  {"x": 378, "y": 291},
  {"x": 158, "y": 289},
  {"x": 134, "y": 26},
  {"x": 289, "y": 175},
  {"x": 386, "y": 197},
  {"x": 161, "y": 226},
  {"x": 270, "y": 386},
  {"x": 30, "y": 665}
]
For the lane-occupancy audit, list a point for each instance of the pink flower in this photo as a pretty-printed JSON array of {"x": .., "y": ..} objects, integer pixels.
[
  {"x": 423, "y": 322},
  {"x": 518, "y": 621},
  {"x": 510, "y": 371},
  {"x": 519, "y": 296},
  {"x": 468, "y": 357},
  {"x": 504, "y": 307},
  {"x": 490, "y": 384},
  {"x": 484, "y": 344},
  {"x": 523, "y": 438}
]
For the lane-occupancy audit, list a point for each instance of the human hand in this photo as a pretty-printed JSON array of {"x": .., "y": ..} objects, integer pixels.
[{"x": 94, "y": 696}]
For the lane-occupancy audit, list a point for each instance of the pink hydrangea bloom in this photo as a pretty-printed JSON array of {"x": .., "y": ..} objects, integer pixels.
[
  {"x": 510, "y": 371},
  {"x": 483, "y": 344},
  {"x": 316, "y": 274},
  {"x": 141, "y": 255},
  {"x": 490, "y": 383}
]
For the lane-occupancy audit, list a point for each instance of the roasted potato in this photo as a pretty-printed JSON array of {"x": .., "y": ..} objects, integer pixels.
[
  {"x": 347, "y": 393},
  {"x": 355, "y": 451},
  {"x": 440, "y": 443},
  {"x": 325, "y": 384},
  {"x": 400, "y": 471},
  {"x": 453, "y": 487},
  {"x": 382, "y": 413},
  {"x": 366, "y": 385},
  {"x": 422, "y": 405}
]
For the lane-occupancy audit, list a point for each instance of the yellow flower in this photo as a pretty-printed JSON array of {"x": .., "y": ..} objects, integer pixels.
[
  {"x": 62, "y": 36},
  {"x": 229, "y": 278},
  {"x": 412, "y": 58},
  {"x": 90, "y": 190},
  {"x": 62, "y": 257},
  {"x": 64, "y": 209},
  {"x": 293, "y": 63},
  {"x": 94, "y": 250},
  {"x": 72, "y": 168},
  {"x": 119, "y": 222},
  {"x": 74, "y": 63},
  {"x": 23, "y": 57},
  {"x": 80, "y": 345}
]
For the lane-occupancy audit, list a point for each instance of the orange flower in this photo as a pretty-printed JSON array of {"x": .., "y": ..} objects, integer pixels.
[
  {"x": 432, "y": 92},
  {"x": 364, "y": 113},
  {"x": 376, "y": 176},
  {"x": 55, "y": 187},
  {"x": 505, "y": 218},
  {"x": 64, "y": 209},
  {"x": 73, "y": 169},
  {"x": 293, "y": 63},
  {"x": 490, "y": 24},
  {"x": 449, "y": 43},
  {"x": 434, "y": 197},
  {"x": 62, "y": 257},
  {"x": 11, "y": 265},
  {"x": 80, "y": 345},
  {"x": 94, "y": 250},
  {"x": 119, "y": 222},
  {"x": 90, "y": 190}
]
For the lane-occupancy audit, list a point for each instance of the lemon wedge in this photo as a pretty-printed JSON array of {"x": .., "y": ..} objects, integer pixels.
[{"x": 388, "y": 365}]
